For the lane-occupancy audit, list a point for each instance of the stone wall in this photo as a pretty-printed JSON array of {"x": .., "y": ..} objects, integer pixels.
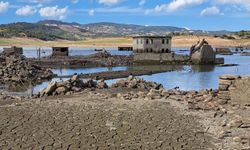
[
  {"x": 234, "y": 90},
  {"x": 160, "y": 58},
  {"x": 152, "y": 44}
]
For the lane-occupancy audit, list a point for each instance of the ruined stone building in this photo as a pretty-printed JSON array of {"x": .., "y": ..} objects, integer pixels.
[
  {"x": 155, "y": 50},
  {"x": 152, "y": 44},
  {"x": 13, "y": 51},
  {"x": 60, "y": 51},
  {"x": 202, "y": 53}
]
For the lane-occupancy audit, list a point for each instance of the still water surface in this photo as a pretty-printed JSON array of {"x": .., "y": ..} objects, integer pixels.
[{"x": 186, "y": 78}]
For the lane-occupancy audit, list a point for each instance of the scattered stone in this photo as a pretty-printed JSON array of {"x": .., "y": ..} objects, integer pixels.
[
  {"x": 154, "y": 94},
  {"x": 136, "y": 83},
  {"x": 102, "y": 85},
  {"x": 235, "y": 123},
  {"x": 73, "y": 85},
  {"x": 17, "y": 69},
  {"x": 237, "y": 139},
  {"x": 225, "y": 134},
  {"x": 245, "y": 125},
  {"x": 229, "y": 77}
]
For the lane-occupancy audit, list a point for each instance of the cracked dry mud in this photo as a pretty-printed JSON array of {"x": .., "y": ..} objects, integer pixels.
[{"x": 89, "y": 121}]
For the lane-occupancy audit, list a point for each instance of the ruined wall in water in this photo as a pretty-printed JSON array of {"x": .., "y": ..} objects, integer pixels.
[{"x": 159, "y": 58}]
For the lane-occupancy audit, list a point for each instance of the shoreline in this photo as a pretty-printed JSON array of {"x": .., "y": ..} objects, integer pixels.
[{"x": 177, "y": 42}]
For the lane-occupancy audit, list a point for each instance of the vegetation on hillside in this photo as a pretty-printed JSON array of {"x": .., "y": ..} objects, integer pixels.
[
  {"x": 43, "y": 32},
  {"x": 51, "y": 30},
  {"x": 243, "y": 34}
]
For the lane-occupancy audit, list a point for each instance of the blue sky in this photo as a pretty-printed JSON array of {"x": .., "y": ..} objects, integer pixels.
[{"x": 194, "y": 14}]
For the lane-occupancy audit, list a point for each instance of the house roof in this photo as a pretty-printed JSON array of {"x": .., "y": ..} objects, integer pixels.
[{"x": 148, "y": 36}]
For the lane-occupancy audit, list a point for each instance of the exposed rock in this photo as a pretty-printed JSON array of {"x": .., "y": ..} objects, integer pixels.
[
  {"x": 202, "y": 53},
  {"x": 102, "y": 84},
  {"x": 155, "y": 94},
  {"x": 15, "y": 68},
  {"x": 73, "y": 85},
  {"x": 229, "y": 77},
  {"x": 51, "y": 88},
  {"x": 61, "y": 90},
  {"x": 223, "y": 51},
  {"x": 102, "y": 54},
  {"x": 136, "y": 83},
  {"x": 127, "y": 96}
]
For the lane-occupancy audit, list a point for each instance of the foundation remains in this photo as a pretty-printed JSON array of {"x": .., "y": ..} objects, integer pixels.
[
  {"x": 60, "y": 51},
  {"x": 13, "y": 51},
  {"x": 234, "y": 90}
]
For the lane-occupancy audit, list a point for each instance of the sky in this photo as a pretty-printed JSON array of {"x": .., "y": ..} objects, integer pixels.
[{"x": 233, "y": 15}]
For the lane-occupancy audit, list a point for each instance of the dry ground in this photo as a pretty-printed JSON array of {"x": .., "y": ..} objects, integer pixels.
[
  {"x": 178, "y": 41},
  {"x": 91, "y": 121},
  {"x": 100, "y": 120}
]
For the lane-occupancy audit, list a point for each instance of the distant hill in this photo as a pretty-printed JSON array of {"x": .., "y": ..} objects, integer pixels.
[
  {"x": 38, "y": 31},
  {"x": 53, "y": 30},
  {"x": 114, "y": 29}
]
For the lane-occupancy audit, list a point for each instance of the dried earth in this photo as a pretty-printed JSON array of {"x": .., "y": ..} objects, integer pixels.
[
  {"x": 131, "y": 114},
  {"x": 90, "y": 121}
]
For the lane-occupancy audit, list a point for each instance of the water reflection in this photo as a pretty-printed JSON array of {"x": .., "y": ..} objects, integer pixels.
[
  {"x": 185, "y": 77},
  {"x": 203, "y": 68},
  {"x": 31, "y": 52}
]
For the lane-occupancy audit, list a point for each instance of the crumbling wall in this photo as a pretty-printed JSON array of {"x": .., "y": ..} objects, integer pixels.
[
  {"x": 234, "y": 90},
  {"x": 13, "y": 51},
  {"x": 202, "y": 53},
  {"x": 159, "y": 58},
  {"x": 60, "y": 51}
]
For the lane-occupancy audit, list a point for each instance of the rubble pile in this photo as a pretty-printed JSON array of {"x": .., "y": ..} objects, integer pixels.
[
  {"x": 136, "y": 83},
  {"x": 16, "y": 68},
  {"x": 102, "y": 54},
  {"x": 197, "y": 100},
  {"x": 73, "y": 85}
]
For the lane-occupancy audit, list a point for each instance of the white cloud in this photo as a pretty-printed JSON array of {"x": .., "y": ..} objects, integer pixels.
[
  {"x": 4, "y": 6},
  {"x": 74, "y": 1},
  {"x": 91, "y": 12},
  {"x": 36, "y": 1},
  {"x": 243, "y": 3},
  {"x": 177, "y": 4},
  {"x": 174, "y": 6},
  {"x": 26, "y": 10},
  {"x": 109, "y": 2},
  {"x": 126, "y": 10},
  {"x": 54, "y": 12},
  {"x": 211, "y": 11},
  {"x": 142, "y": 2}
]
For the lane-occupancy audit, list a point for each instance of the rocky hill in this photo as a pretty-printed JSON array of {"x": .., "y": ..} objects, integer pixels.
[{"x": 53, "y": 30}]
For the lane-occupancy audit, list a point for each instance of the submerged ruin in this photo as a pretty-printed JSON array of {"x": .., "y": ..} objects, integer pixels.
[
  {"x": 13, "y": 51},
  {"x": 17, "y": 69},
  {"x": 202, "y": 53},
  {"x": 60, "y": 51},
  {"x": 156, "y": 50}
]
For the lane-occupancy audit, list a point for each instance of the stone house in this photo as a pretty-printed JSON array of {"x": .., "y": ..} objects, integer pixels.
[
  {"x": 152, "y": 44},
  {"x": 155, "y": 50},
  {"x": 60, "y": 51}
]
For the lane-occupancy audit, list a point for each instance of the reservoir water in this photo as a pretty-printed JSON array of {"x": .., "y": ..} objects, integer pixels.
[{"x": 186, "y": 78}]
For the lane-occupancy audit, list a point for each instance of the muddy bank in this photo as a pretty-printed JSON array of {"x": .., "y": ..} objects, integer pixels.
[
  {"x": 96, "y": 60},
  {"x": 124, "y": 74}
]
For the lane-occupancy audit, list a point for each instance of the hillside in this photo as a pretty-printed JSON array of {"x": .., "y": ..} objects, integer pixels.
[
  {"x": 38, "y": 31},
  {"x": 50, "y": 30}
]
